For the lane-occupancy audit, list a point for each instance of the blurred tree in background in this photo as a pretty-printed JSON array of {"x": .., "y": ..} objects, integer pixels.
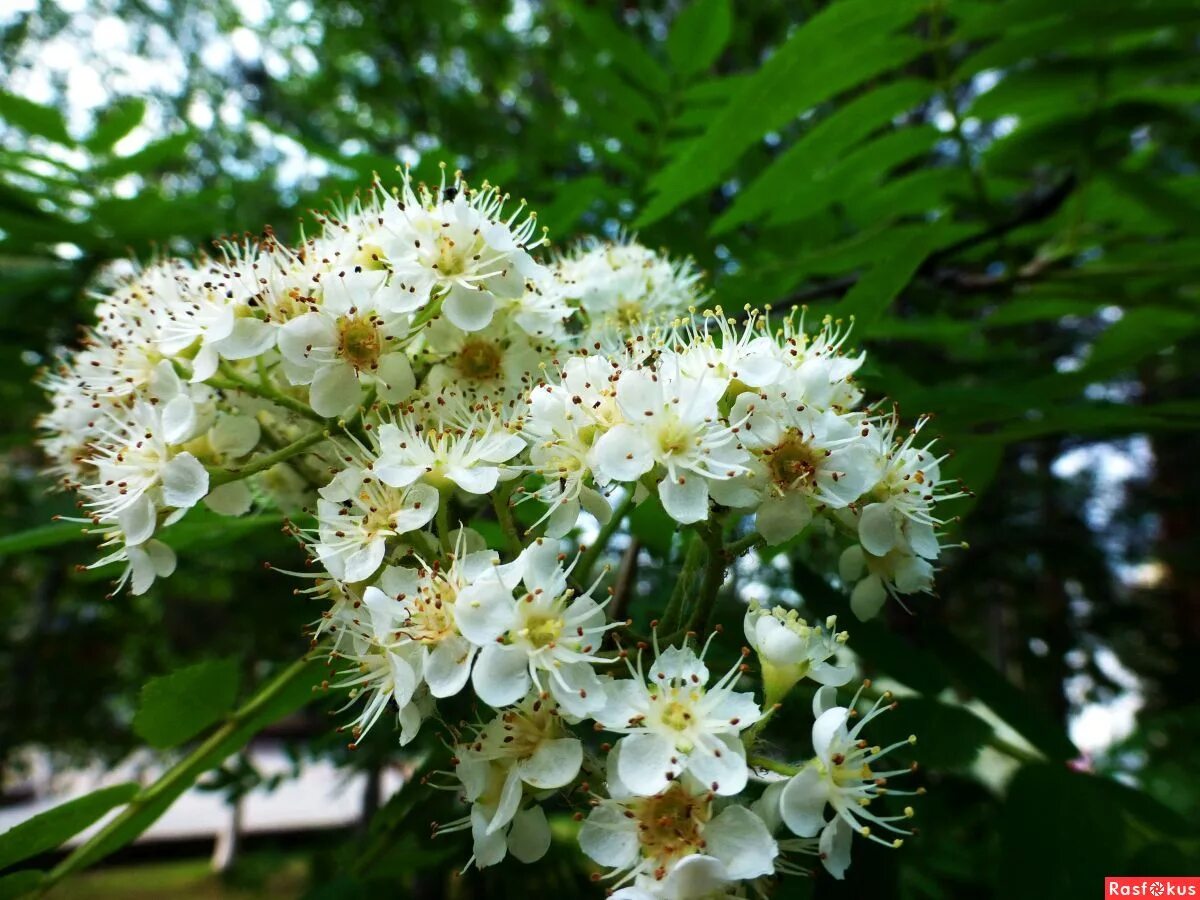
[{"x": 1003, "y": 193}]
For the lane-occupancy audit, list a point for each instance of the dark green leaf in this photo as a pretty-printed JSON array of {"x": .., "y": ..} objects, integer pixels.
[
  {"x": 822, "y": 147},
  {"x": 44, "y": 536},
  {"x": 875, "y": 291},
  {"x": 179, "y": 706},
  {"x": 841, "y": 46},
  {"x": 1059, "y": 835},
  {"x": 34, "y": 118},
  {"x": 699, "y": 34},
  {"x": 20, "y": 884},
  {"x": 116, "y": 122},
  {"x": 48, "y": 830},
  {"x": 295, "y": 693}
]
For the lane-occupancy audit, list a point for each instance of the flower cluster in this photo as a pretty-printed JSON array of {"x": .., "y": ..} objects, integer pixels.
[{"x": 414, "y": 368}]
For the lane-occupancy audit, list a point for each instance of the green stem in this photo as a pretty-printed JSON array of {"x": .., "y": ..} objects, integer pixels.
[
  {"x": 773, "y": 765},
  {"x": 262, "y": 463},
  {"x": 750, "y": 735},
  {"x": 587, "y": 560},
  {"x": 186, "y": 771},
  {"x": 232, "y": 381},
  {"x": 501, "y": 503},
  {"x": 752, "y": 541},
  {"x": 672, "y": 616},
  {"x": 714, "y": 576},
  {"x": 442, "y": 522}
]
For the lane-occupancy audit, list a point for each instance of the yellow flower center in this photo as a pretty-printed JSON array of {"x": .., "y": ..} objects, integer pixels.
[
  {"x": 371, "y": 258},
  {"x": 671, "y": 824},
  {"x": 479, "y": 360},
  {"x": 359, "y": 342},
  {"x": 541, "y": 631},
  {"x": 793, "y": 462},
  {"x": 677, "y": 716}
]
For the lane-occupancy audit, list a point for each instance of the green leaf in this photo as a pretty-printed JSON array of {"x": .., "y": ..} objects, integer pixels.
[
  {"x": 1011, "y": 704},
  {"x": 116, "y": 122},
  {"x": 34, "y": 118},
  {"x": 875, "y": 291},
  {"x": 176, "y": 707},
  {"x": 948, "y": 737},
  {"x": 290, "y": 690},
  {"x": 48, "y": 830},
  {"x": 843, "y": 45},
  {"x": 20, "y": 884},
  {"x": 652, "y": 526},
  {"x": 699, "y": 34},
  {"x": 626, "y": 51},
  {"x": 821, "y": 147},
  {"x": 1059, "y": 835},
  {"x": 44, "y": 536},
  {"x": 169, "y": 151},
  {"x": 1139, "y": 333}
]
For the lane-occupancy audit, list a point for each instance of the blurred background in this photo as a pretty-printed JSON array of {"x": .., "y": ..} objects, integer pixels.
[{"x": 1004, "y": 194}]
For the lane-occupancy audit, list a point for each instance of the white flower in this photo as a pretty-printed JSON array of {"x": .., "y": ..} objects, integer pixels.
[
  {"x": 671, "y": 844},
  {"x": 875, "y": 578},
  {"x": 746, "y": 358},
  {"x": 547, "y": 636},
  {"x": 806, "y": 458},
  {"x": 499, "y": 361},
  {"x": 676, "y": 724},
  {"x": 466, "y": 450},
  {"x": 357, "y": 514},
  {"x": 841, "y": 777},
  {"x": 561, "y": 433},
  {"x": 821, "y": 375},
  {"x": 452, "y": 244},
  {"x": 623, "y": 282},
  {"x": 498, "y": 823},
  {"x": 344, "y": 339},
  {"x": 790, "y": 649},
  {"x": 138, "y": 470},
  {"x": 671, "y": 422},
  {"x": 424, "y": 607},
  {"x": 532, "y": 737},
  {"x": 145, "y": 560},
  {"x": 200, "y": 322},
  {"x": 907, "y": 482},
  {"x": 386, "y": 662}
]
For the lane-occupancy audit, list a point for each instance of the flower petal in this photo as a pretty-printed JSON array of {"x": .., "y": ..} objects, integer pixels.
[
  {"x": 802, "y": 803},
  {"x": 448, "y": 665},
  {"x": 555, "y": 763},
  {"x": 501, "y": 675},
  {"x": 529, "y": 837},
  {"x": 684, "y": 497},
  {"x": 740, "y": 839},
  {"x": 484, "y": 611},
  {"x": 334, "y": 389},
  {"x": 395, "y": 377},
  {"x": 608, "y": 837},
  {"x": 647, "y": 763},
  {"x": 470, "y": 310},
  {"x": 719, "y": 762},
  {"x": 184, "y": 481}
]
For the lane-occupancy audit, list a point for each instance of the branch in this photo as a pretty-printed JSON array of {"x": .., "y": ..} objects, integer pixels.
[
  {"x": 210, "y": 752},
  {"x": 1039, "y": 208},
  {"x": 587, "y": 559}
]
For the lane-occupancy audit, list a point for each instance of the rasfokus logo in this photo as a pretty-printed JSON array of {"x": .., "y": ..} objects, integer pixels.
[{"x": 1151, "y": 886}]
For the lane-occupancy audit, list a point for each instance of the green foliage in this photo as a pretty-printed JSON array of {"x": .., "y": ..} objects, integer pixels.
[
  {"x": 698, "y": 35},
  {"x": 177, "y": 707},
  {"x": 1002, "y": 194},
  {"x": 50, "y": 829}
]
